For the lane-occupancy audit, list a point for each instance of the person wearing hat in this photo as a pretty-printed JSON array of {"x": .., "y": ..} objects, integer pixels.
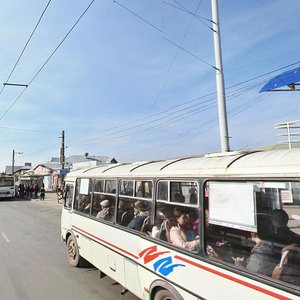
[{"x": 106, "y": 212}]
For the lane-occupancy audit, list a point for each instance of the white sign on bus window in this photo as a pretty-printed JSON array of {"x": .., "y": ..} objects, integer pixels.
[{"x": 232, "y": 205}]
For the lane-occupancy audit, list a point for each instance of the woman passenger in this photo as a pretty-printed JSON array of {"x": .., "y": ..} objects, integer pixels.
[{"x": 180, "y": 235}]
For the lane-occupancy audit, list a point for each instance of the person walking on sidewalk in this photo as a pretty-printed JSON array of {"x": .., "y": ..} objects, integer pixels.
[{"x": 42, "y": 193}]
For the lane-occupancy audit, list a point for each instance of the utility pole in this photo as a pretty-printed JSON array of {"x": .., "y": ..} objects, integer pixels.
[
  {"x": 220, "y": 79},
  {"x": 62, "y": 150},
  {"x": 62, "y": 158},
  {"x": 13, "y": 161}
]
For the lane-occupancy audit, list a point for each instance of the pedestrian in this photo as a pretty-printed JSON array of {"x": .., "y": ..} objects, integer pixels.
[
  {"x": 36, "y": 190},
  {"x": 42, "y": 193}
]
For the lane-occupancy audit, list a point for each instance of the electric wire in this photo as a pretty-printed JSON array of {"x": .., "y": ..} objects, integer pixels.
[
  {"x": 182, "y": 8},
  {"x": 166, "y": 77},
  {"x": 29, "y": 39},
  {"x": 48, "y": 59},
  {"x": 258, "y": 76},
  {"x": 165, "y": 38}
]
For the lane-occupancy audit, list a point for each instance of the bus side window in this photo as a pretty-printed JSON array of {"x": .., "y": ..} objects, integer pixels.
[
  {"x": 184, "y": 192},
  {"x": 141, "y": 213},
  {"x": 69, "y": 196},
  {"x": 82, "y": 201},
  {"x": 104, "y": 202},
  {"x": 96, "y": 207},
  {"x": 162, "y": 190},
  {"x": 125, "y": 211},
  {"x": 107, "y": 208},
  {"x": 178, "y": 225}
]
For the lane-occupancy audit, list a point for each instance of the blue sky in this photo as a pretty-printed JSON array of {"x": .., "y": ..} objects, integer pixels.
[{"x": 119, "y": 84}]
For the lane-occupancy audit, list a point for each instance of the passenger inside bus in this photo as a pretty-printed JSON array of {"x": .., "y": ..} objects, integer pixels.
[
  {"x": 213, "y": 243},
  {"x": 180, "y": 234},
  {"x": 140, "y": 214},
  {"x": 263, "y": 258},
  {"x": 107, "y": 212},
  {"x": 288, "y": 269},
  {"x": 84, "y": 203},
  {"x": 161, "y": 229},
  {"x": 282, "y": 233}
]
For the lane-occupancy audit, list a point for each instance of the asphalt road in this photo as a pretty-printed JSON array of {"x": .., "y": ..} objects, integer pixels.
[{"x": 33, "y": 259}]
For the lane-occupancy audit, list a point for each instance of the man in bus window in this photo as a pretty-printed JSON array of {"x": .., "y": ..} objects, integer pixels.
[{"x": 106, "y": 213}]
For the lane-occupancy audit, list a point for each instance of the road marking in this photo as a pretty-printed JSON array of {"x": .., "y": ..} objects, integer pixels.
[{"x": 5, "y": 237}]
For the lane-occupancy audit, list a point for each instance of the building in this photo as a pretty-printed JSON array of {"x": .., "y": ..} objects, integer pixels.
[{"x": 51, "y": 175}]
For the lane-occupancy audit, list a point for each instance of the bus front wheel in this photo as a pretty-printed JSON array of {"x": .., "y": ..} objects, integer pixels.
[
  {"x": 73, "y": 252},
  {"x": 164, "y": 294}
]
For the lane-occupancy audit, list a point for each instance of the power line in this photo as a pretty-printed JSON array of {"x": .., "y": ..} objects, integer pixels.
[
  {"x": 167, "y": 75},
  {"x": 22, "y": 52},
  {"x": 182, "y": 8},
  {"x": 166, "y": 39},
  {"x": 144, "y": 20},
  {"x": 42, "y": 67},
  {"x": 29, "y": 130}
]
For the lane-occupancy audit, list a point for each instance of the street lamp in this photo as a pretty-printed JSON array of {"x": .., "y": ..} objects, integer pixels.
[{"x": 13, "y": 161}]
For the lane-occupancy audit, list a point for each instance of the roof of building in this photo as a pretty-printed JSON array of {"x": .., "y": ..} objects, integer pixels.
[
  {"x": 83, "y": 158},
  {"x": 8, "y": 169}
]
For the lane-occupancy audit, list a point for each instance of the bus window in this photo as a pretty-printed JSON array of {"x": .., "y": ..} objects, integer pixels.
[
  {"x": 264, "y": 228},
  {"x": 178, "y": 225},
  {"x": 96, "y": 207},
  {"x": 135, "y": 214},
  {"x": 82, "y": 201},
  {"x": 162, "y": 190},
  {"x": 143, "y": 189},
  {"x": 103, "y": 203},
  {"x": 99, "y": 186},
  {"x": 125, "y": 211},
  {"x": 110, "y": 186},
  {"x": 184, "y": 192},
  {"x": 126, "y": 187},
  {"x": 107, "y": 208},
  {"x": 69, "y": 196}
]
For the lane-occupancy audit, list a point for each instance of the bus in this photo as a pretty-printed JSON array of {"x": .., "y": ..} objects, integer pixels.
[
  {"x": 218, "y": 226},
  {"x": 7, "y": 186}
]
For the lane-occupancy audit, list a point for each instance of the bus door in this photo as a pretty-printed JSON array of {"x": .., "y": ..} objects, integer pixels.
[{"x": 66, "y": 216}]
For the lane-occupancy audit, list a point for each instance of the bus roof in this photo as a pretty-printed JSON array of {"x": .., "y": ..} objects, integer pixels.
[{"x": 265, "y": 163}]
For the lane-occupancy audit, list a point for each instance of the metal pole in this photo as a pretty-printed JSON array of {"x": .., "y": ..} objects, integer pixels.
[
  {"x": 62, "y": 150},
  {"x": 220, "y": 79},
  {"x": 13, "y": 163},
  {"x": 62, "y": 156}
]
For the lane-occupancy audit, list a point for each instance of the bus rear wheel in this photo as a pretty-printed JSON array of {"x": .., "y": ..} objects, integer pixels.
[
  {"x": 164, "y": 295},
  {"x": 73, "y": 252}
]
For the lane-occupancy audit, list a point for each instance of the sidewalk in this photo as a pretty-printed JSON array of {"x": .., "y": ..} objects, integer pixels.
[{"x": 50, "y": 200}]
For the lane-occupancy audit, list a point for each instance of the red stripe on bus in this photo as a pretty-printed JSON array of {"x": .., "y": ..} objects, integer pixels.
[
  {"x": 239, "y": 281},
  {"x": 105, "y": 242}
]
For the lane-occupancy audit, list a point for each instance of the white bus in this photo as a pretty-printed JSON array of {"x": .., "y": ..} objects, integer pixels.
[
  {"x": 7, "y": 186},
  {"x": 213, "y": 227}
]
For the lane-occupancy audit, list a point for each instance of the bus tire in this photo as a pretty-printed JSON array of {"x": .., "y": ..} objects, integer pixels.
[
  {"x": 164, "y": 294},
  {"x": 73, "y": 255}
]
